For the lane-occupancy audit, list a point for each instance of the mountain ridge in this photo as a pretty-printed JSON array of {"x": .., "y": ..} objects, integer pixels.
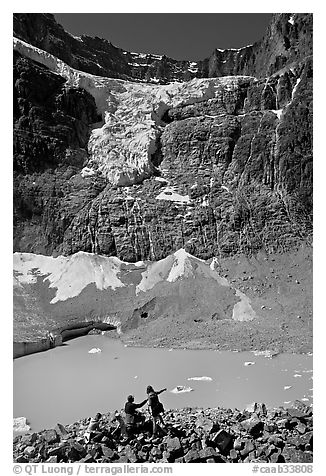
[{"x": 282, "y": 43}]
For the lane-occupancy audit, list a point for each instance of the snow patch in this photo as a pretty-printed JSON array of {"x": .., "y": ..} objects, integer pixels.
[
  {"x": 214, "y": 263},
  {"x": 193, "y": 68},
  {"x": 69, "y": 275},
  {"x": 295, "y": 88},
  {"x": 233, "y": 49},
  {"x": 278, "y": 112},
  {"x": 170, "y": 195},
  {"x": 181, "y": 267},
  {"x": 205, "y": 202},
  {"x": 291, "y": 19},
  {"x": 87, "y": 172},
  {"x": 177, "y": 266},
  {"x": 161, "y": 179}
]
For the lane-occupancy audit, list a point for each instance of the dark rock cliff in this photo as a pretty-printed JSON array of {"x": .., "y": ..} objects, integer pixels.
[{"x": 244, "y": 158}]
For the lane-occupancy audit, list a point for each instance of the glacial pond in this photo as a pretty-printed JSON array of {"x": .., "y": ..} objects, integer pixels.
[{"x": 68, "y": 383}]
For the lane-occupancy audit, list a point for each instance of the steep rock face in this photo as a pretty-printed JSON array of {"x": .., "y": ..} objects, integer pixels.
[
  {"x": 49, "y": 118},
  {"x": 51, "y": 132},
  {"x": 288, "y": 39},
  {"x": 217, "y": 166}
]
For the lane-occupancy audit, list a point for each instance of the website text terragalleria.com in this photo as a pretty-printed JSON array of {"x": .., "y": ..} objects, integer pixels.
[{"x": 81, "y": 469}]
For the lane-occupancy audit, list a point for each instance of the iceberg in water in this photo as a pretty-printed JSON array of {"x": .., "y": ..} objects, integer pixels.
[
  {"x": 251, "y": 407},
  {"x": 249, "y": 363},
  {"x": 202, "y": 379},
  {"x": 265, "y": 353},
  {"x": 286, "y": 387},
  {"x": 20, "y": 424},
  {"x": 181, "y": 389},
  {"x": 95, "y": 350}
]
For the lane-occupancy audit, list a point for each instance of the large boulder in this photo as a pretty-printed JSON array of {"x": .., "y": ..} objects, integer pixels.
[{"x": 254, "y": 426}]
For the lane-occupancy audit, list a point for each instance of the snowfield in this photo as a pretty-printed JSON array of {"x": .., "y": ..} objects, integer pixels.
[{"x": 70, "y": 275}]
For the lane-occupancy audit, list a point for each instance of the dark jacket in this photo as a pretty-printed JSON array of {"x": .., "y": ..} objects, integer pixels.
[
  {"x": 130, "y": 411},
  {"x": 155, "y": 405}
]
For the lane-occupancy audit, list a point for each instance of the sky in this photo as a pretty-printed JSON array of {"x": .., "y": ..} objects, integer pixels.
[{"x": 182, "y": 36}]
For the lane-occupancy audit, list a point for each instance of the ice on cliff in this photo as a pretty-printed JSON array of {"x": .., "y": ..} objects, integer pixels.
[{"x": 121, "y": 149}]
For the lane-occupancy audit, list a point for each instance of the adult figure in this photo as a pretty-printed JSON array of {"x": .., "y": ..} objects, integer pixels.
[
  {"x": 155, "y": 407},
  {"x": 93, "y": 429},
  {"x": 133, "y": 417}
]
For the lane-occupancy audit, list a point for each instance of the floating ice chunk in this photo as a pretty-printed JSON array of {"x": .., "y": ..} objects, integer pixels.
[
  {"x": 297, "y": 375},
  {"x": 20, "y": 425},
  {"x": 286, "y": 387},
  {"x": 249, "y": 363},
  {"x": 181, "y": 389},
  {"x": 251, "y": 407},
  {"x": 136, "y": 376},
  {"x": 170, "y": 350},
  {"x": 287, "y": 402},
  {"x": 203, "y": 379},
  {"x": 266, "y": 353},
  {"x": 304, "y": 399},
  {"x": 95, "y": 350}
]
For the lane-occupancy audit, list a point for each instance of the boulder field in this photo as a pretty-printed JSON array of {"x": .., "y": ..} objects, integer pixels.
[{"x": 192, "y": 435}]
